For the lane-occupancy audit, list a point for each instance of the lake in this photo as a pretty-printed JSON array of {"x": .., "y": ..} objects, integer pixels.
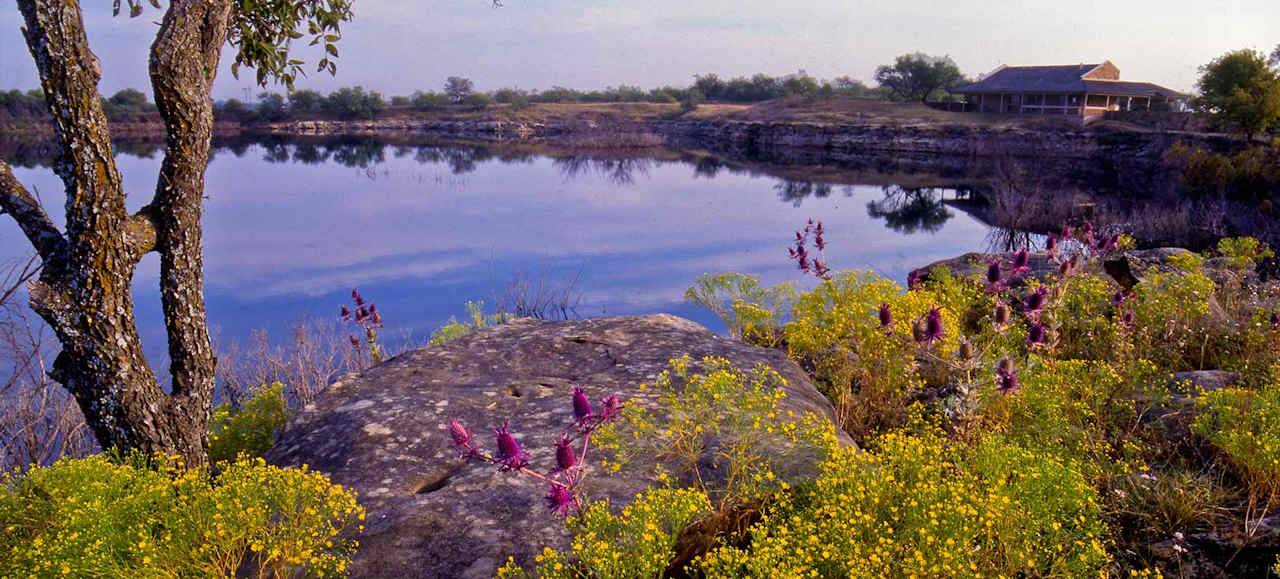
[{"x": 291, "y": 228}]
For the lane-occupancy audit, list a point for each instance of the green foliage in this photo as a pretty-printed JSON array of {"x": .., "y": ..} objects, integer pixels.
[
  {"x": 753, "y": 313},
  {"x": 1251, "y": 174},
  {"x": 306, "y": 102},
  {"x": 1241, "y": 90},
  {"x": 455, "y": 329},
  {"x": 1244, "y": 252},
  {"x": 714, "y": 426},
  {"x": 458, "y": 88},
  {"x": 1245, "y": 424},
  {"x": 93, "y": 517},
  {"x": 517, "y": 98},
  {"x": 429, "y": 101},
  {"x": 354, "y": 103},
  {"x": 637, "y": 542},
  {"x": 919, "y": 76},
  {"x": 867, "y": 371},
  {"x": 916, "y": 505},
  {"x": 125, "y": 105},
  {"x": 1080, "y": 411},
  {"x": 251, "y": 429},
  {"x": 690, "y": 101},
  {"x": 477, "y": 101},
  {"x": 270, "y": 108},
  {"x": 1171, "y": 318},
  {"x": 263, "y": 34}
]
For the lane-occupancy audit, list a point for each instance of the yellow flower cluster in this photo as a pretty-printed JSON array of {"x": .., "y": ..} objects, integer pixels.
[
  {"x": 637, "y": 542},
  {"x": 921, "y": 507},
  {"x": 93, "y": 517},
  {"x": 1245, "y": 424}
]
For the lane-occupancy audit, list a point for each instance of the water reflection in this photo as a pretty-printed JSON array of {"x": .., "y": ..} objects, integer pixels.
[{"x": 910, "y": 210}]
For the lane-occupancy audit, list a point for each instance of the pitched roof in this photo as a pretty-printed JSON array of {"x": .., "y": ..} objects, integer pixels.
[{"x": 1059, "y": 79}]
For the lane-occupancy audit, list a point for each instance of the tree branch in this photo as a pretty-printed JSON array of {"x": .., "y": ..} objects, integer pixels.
[
  {"x": 31, "y": 217},
  {"x": 69, "y": 74}
]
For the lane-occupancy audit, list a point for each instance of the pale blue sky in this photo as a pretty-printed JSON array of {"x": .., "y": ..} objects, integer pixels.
[{"x": 397, "y": 46}]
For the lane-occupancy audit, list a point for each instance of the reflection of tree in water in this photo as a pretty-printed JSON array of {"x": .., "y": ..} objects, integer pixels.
[
  {"x": 795, "y": 192},
  {"x": 620, "y": 171},
  {"x": 1008, "y": 239},
  {"x": 910, "y": 210},
  {"x": 363, "y": 153},
  {"x": 707, "y": 167},
  {"x": 310, "y": 154}
]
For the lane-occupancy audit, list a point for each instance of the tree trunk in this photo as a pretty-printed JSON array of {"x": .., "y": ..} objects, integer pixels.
[{"x": 84, "y": 288}]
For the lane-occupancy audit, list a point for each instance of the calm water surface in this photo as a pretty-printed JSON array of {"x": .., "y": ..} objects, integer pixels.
[{"x": 420, "y": 231}]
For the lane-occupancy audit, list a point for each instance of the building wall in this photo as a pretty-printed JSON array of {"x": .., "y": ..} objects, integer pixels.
[{"x": 1107, "y": 71}]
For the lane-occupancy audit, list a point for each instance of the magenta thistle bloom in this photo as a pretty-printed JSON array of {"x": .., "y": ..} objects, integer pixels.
[
  {"x": 461, "y": 437},
  {"x": 1066, "y": 232},
  {"x": 612, "y": 406},
  {"x": 886, "y": 316},
  {"x": 933, "y": 324},
  {"x": 1127, "y": 319},
  {"x": 346, "y": 314},
  {"x": 1118, "y": 298},
  {"x": 1006, "y": 377},
  {"x": 355, "y": 297},
  {"x": 1035, "y": 335},
  {"x": 565, "y": 457},
  {"x": 913, "y": 279},
  {"x": 1020, "y": 260},
  {"x": 581, "y": 406},
  {"x": 993, "y": 272},
  {"x": 1035, "y": 301},
  {"x": 560, "y": 499},
  {"x": 817, "y": 237},
  {"x": 1051, "y": 244},
  {"x": 510, "y": 454},
  {"x": 1275, "y": 320}
]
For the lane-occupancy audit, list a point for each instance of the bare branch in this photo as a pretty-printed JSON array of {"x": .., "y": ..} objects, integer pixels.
[
  {"x": 31, "y": 217},
  {"x": 20, "y": 276}
]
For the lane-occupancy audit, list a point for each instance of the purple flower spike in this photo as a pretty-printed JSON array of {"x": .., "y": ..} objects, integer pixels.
[
  {"x": 346, "y": 314},
  {"x": 913, "y": 280},
  {"x": 1006, "y": 377},
  {"x": 1020, "y": 260},
  {"x": 355, "y": 296},
  {"x": 1051, "y": 245},
  {"x": 1035, "y": 335},
  {"x": 581, "y": 406},
  {"x": 1275, "y": 320},
  {"x": 1066, "y": 232},
  {"x": 459, "y": 433},
  {"x": 560, "y": 500},
  {"x": 1035, "y": 301},
  {"x": 886, "y": 316},
  {"x": 933, "y": 325},
  {"x": 612, "y": 406},
  {"x": 1118, "y": 298},
  {"x": 510, "y": 454},
  {"x": 993, "y": 272},
  {"x": 565, "y": 457}
]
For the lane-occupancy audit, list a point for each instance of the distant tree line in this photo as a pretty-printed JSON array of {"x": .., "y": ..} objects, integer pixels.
[{"x": 126, "y": 105}]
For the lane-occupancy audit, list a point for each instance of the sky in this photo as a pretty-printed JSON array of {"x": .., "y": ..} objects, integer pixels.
[{"x": 399, "y": 46}]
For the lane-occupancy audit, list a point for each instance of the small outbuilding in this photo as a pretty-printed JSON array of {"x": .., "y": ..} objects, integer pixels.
[{"x": 1083, "y": 90}]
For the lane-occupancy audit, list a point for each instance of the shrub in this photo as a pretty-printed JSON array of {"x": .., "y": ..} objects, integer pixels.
[
  {"x": 1245, "y": 425},
  {"x": 251, "y": 429},
  {"x": 919, "y": 506},
  {"x": 752, "y": 313},
  {"x": 354, "y": 103},
  {"x": 477, "y": 101},
  {"x": 637, "y": 542},
  {"x": 94, "y": 517},
  {"x": 455, "y": 329},
  {"x": 716, "y": 424},
  {"x": 429, "y": 101}
]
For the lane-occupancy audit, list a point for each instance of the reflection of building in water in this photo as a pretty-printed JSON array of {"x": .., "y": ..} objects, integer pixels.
[{"x": 1083, "y": 90}]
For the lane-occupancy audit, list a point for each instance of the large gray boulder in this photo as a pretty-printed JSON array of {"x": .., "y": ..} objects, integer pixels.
[{"x": 383, "y": 433}]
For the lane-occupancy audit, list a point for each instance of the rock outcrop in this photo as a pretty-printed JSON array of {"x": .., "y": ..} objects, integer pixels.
[{"x": 383, "y": 433}]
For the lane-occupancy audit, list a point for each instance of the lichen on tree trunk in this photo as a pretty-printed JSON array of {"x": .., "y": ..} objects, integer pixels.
[{"x": 83, "y": 291}]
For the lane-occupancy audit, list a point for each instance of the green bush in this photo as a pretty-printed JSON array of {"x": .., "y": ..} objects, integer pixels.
[
  {"x": 637, "y": 542},
  {"x": 94, "y": 517},
  {"x": 1245, "y": 425},
  {"x": 919, "y": 506},
  {"x": 250, "y": 430}
]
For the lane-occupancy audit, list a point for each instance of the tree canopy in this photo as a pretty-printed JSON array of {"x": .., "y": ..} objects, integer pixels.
[
  {"x": 1242, "y": 90},
  {"x": 918, "y": 76}
]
